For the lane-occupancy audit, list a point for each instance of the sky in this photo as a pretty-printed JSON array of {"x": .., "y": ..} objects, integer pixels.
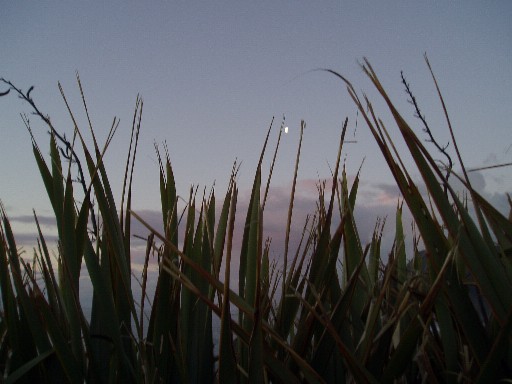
[{"x": 213, "y": 75}]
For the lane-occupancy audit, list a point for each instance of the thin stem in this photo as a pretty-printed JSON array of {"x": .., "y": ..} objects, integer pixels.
[
  {"x": 67, "y": 152},
  {"x": 427, "y": 130}
]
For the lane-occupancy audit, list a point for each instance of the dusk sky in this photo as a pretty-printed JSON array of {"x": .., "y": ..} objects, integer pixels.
[{"x": 213, "y": 74}]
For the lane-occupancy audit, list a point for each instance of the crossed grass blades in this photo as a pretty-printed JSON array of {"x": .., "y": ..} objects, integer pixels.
[{"x": 334, "y": 313}]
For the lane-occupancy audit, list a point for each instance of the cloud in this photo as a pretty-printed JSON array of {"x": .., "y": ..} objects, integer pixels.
[
  {"x": 491, "y": 159},
  {"x": 481, "y": 184},
  {"x": 152, "y": 217},
  {"x": 29, "y": 240},
  {"x": 500, "y": 202},
  {"x": 477, "y": 181},
  {"x": 43, "y": 220},
  {"x": 25, "y": 230}
]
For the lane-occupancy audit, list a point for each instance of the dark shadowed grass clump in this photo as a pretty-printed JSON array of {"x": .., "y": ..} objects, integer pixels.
[{"x": 440, "y": 315}]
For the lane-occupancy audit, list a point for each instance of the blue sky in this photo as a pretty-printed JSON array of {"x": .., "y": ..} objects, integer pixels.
[{"x": 213, "y": 74}]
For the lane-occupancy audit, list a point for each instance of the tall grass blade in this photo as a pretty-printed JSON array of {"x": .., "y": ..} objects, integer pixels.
[
  {"x": 228, "y": 371},
  {"x": 163, "y": 326}
]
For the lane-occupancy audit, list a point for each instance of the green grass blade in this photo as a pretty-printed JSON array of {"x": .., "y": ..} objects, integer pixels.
[
  {"x": 104, "y": 318},
  {"x": 14, "y": 328},
  {"x": 27, "y": 310},
  {"x": 400, "y": 247},
  {"x": 493, "y": 367},
  {"x": 57, "y": 191},
  {"x": 70, "y": 275},
  {"x": 228, "y": 371},
  {"x": 374, "y": 257},
  {"x": 339, "y": 315},
  {"x": 27, "y": 367},
  {"x": 256, "y": 365},
  {"x": 70, "y": 365},
  {"x": 253, "y": 244},
  {"x": 121, "y": 272},
  {"x": 44, "y": 172},
  {"x": 352, "y": 246},
  {"x": 163, "y": 324},
  {"x": 220, "y": 234}
]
